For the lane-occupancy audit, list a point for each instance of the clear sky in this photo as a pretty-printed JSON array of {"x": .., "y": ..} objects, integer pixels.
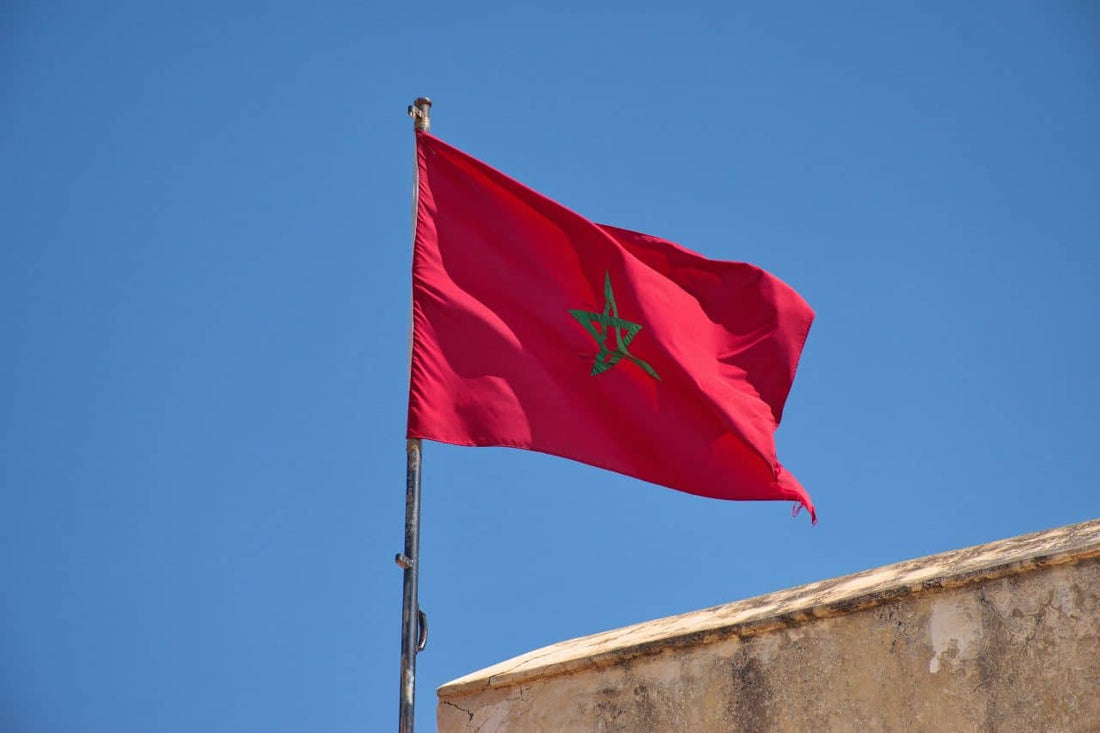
[{"x": 204, "y": 286}]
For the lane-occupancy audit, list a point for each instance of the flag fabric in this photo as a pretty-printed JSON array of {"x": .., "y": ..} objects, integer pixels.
[{"x": 535, "y": 328}]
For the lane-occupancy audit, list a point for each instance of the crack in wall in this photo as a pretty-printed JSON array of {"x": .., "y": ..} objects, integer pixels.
[{"x": 459, "y": 707}]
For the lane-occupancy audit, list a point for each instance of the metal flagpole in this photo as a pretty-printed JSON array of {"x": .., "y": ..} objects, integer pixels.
[{"x": 414, "y": 624}]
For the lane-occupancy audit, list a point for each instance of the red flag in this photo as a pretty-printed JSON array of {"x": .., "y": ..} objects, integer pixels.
[{"x": 535, "y": 328}]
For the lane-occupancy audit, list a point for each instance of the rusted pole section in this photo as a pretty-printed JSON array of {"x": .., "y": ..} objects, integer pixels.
[{"x": 414, "y": 625}]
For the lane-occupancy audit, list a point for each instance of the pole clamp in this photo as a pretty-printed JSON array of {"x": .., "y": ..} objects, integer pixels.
[
  {"x": 422, "y": 630},
  {"x": 403, "y": 561}
]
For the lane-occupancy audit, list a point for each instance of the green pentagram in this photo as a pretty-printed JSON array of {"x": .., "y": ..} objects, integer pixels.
[{"x": 598, "y": 325}]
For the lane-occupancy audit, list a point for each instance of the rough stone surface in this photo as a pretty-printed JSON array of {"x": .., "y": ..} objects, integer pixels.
[{"x": 999, "y": 637}]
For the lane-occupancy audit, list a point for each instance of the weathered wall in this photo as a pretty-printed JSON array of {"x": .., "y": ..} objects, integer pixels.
[{"x": 1000, "y": 637}]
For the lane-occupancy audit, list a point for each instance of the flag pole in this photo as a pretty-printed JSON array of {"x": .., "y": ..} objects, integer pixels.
[{"x": 414, "y": 624}]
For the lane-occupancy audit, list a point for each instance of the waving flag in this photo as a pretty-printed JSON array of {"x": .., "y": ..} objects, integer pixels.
[{"x": 535, "y": 328}]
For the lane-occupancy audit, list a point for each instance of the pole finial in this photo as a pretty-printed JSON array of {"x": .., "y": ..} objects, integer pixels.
[{"x": 421, "y": 112}]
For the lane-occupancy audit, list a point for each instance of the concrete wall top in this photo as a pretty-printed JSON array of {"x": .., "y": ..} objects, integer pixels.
[{"x": 794, "y": 606}]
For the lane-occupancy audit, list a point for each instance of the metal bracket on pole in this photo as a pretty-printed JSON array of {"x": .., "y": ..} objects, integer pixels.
[{"x": 422, "y": 630}]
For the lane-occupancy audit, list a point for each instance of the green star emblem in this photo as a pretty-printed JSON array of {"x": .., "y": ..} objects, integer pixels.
[{"x": 599, "y": 324}]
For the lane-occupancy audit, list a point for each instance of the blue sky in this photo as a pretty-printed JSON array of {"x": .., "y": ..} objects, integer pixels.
[{"x": 204, "y": 285}]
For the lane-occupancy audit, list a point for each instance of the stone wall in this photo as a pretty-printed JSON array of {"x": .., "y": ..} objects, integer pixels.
[{"x": 999, "y": 637}]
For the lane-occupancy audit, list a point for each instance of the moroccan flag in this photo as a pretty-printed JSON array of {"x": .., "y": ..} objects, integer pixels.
[{"x": 535, "y": 328}]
